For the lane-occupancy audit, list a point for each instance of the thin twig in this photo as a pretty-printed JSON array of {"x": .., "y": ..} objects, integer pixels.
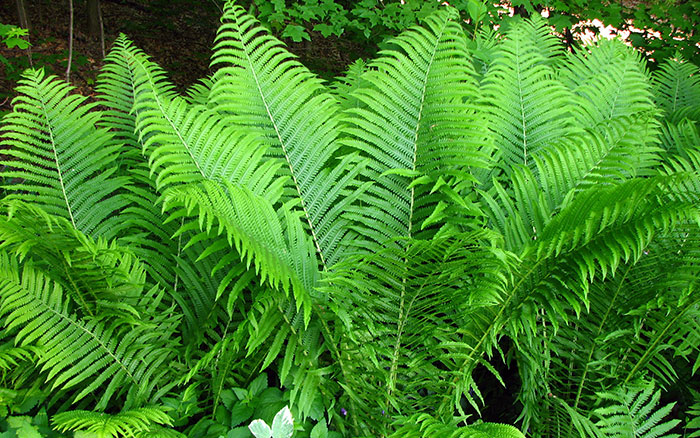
[
  {"x": 217, "y": 6},
  {"x": 70, "y": 41}
]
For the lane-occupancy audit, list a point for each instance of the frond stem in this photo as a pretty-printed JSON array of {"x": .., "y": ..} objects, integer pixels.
[
  {"x": 403, "y": 313},
  {"x": 497, "y": 317},
  {"x": 598, "y": 332},
  {"x": 49, "y": 128},
  {"x": 659, "y": 337},
  {"x": 165, "y": 116}
]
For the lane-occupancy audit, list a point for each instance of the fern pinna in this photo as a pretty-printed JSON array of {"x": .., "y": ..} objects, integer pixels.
[{"x": 370, "y": 252}]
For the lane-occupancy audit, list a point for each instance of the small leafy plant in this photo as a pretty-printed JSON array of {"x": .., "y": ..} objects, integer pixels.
[
  {"x": 282, "y": 426},
  {"x": 11, "y": 36}
]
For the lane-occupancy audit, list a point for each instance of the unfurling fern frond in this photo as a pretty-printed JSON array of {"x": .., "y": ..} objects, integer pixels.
[
  {"x": 81, "y": 354},
  {"x": 62, "y": 161},
  {"x": 133, "y": 422},
  {"x": 634, "y": 412}
]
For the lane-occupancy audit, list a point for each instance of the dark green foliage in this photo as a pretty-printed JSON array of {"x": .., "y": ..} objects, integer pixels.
[
  {"x": 179, "y": 266},
  {"x": 657, "y": 28}
]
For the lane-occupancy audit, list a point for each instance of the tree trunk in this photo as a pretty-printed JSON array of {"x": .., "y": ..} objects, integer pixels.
[
  {"x": 569, "y": 39},
  {"x": 22, "y": 15},
  {"x": 93, "y": 15}
]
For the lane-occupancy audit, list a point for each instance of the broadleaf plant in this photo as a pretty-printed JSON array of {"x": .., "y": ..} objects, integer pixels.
[{"x": 382, "y": 254}]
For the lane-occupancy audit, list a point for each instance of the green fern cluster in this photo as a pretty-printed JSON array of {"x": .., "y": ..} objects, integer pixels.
[{"x": 178, "y": 265}]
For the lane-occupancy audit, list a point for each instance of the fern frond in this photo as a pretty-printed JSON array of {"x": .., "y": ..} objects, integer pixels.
[
  {"x": 148, "y": 236},
  {"x": 424, "y": 426},
  {"x": 681, "y": 140},
  {"x": 62, "y": 161},
  {"x": 537, "y": 34},
  {"x": 279, "y": 253},
  {"x": 421, "y": 130},
  {"x": 198, "y": 93},
  {"x": 694, "y": 416},
  {"x": 10, "y": 356},
  {"x": 626, "y": 318},
  {"x": 403, "y": 332},
  {"x": 635, "y": 412},
  {"x": 189, "y": 282},
  {"x": 188, "y": 143},
  {"x": 96, "y": 274},
  {"x": 132, "y": 422},
  {"x": 345, "y": 86},
  {"x": 529, "y": 107},
  {"x": 676, "y": 88},
  {"x": 80, "y": 353},
  {"x": 595, "y": 210},
  {"x": 610, "y": 80},
  {"x": 200, "y": 148},
  {"x": 624, "y": 148},
  {"x": 262, "y": 90}
]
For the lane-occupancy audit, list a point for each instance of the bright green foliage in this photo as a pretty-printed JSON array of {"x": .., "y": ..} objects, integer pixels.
[
  {"x": 677, "y": 89},
  {"x": 358, "y": 252},
  {"x": 12, "y": 37},
  {"x": 424, "y": 426},
  {"x": 528, "y": 105},
  {"x": 634, "y": 413},
  {"x": 67, "y": 164},
  {"x": 101, "y": 425},
  {"x": 693, "y": 424}
]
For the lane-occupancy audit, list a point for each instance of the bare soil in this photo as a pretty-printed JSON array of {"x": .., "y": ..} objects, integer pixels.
[{"x": 177, "y": 34}]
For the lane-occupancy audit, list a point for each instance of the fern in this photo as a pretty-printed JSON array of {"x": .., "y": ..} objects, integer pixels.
[
  {"x": 419, "y": 426},
  {"x": 418, "y": 126},
  {"x": 528, "y": 106},
  {"x": 368, "y": 246},
  {"x": 694, "y": 416},
  {"x": 265, "y": 92},
  {"x": 611, "y": 82},
  {"x": 135, "y": 422},
  {"x": 676, "y": 86},
  {"x": 635, "y": 413},
  {"x": 392, "y": 362},
  {"x": 83, "y": 353},
  {"x": 63, "y": 162}
]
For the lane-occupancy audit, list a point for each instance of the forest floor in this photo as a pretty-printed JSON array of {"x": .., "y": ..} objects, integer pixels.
[{"x": 177, "y": 34}]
